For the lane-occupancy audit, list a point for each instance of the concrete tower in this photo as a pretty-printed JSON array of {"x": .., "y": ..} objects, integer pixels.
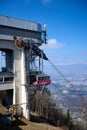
[{"x": 13, "y": 74}]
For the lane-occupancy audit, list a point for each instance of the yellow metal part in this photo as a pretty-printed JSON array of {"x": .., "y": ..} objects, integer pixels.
[
  {"x": 18, "y": 43},
  {"x": 14, "y": 110}
]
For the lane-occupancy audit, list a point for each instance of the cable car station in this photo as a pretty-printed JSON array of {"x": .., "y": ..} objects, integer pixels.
[{"x": 19, "y": 46}]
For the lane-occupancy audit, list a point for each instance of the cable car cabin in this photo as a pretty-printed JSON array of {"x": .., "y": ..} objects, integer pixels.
[{"x": 38, "y": 79}]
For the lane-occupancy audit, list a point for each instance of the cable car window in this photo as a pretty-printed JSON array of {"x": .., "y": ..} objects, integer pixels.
[
  {"x": 47, "y": 77},
  {"x": 39, "y": 78},
  {"x": 44, "y": 78}
]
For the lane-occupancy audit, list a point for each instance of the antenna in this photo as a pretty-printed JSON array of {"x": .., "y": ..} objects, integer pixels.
[
  {"x": 45, "y": 26},
  {"x": 44, "y": 34}
]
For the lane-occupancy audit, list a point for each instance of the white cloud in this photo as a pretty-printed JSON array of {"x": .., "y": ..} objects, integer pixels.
[
  {"x": 53, "y": 43},
  {"x": 46, "y": 1}
]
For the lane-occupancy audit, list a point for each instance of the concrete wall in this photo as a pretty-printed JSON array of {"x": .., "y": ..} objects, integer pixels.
[{"x": 18, "y": 85}]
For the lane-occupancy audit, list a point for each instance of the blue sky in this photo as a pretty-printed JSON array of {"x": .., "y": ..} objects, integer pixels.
[{"x": 66, "y": 26}]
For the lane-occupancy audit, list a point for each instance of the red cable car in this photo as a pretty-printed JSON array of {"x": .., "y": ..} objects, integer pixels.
[{"x": 38, "y": 79}]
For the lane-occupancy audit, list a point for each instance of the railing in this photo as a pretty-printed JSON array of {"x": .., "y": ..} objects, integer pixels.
[{"x": 6, "y": 77}]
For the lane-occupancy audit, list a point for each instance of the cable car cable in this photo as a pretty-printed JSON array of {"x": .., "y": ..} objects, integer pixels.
[
  {"x": 65, "y": 95},
  {"x": 59, "y": 72}
]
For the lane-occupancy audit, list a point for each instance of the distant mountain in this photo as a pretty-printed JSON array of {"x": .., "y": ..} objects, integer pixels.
[
  {"x": 73, "y": 68},
  {"x": 67, "y": 69}
]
